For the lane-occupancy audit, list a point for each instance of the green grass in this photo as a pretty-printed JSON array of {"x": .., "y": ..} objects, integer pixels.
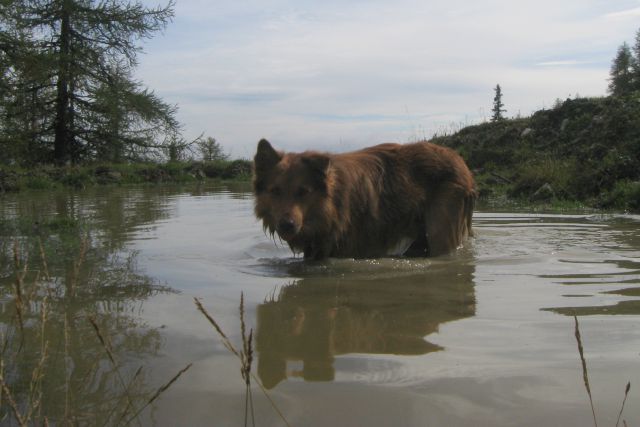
[
  {"x": 585, "y": 150},
  {"x": 14, "y": 178}
]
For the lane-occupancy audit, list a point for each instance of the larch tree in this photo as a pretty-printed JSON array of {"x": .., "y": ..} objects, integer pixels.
[{"x": 91, "y": 105}]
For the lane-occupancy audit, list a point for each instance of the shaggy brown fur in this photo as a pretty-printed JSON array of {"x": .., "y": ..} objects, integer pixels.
[{"x": 391, "y": 199}]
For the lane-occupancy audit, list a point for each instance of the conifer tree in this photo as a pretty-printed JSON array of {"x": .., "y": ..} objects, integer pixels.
[
  {"x": 621, "y": 81},
  {"x": 497, "y": 109},
  {"x": 635, "y": 64},
  {"x": 88, "y": 102}
]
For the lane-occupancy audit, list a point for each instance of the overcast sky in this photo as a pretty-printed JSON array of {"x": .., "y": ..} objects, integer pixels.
[{"x": 340, "y": 75}]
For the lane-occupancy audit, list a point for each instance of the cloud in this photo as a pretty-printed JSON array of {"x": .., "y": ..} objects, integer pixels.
[
  {"x": 564, "y": 63},
  {"x": 624, "y": 14},
  {"x": 350, "y": 73}
]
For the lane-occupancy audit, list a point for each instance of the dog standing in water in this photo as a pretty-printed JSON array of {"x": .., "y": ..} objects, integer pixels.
[{"x": 392, "y": 199}]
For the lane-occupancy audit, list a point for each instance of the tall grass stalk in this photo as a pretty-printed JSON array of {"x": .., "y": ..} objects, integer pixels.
[
  {"x": 7, "y": 395},
  {"x": 626, "y": 393},
  {"x": 158, "y": 392},
  {"x": 19, "y": 300},
  {"x": 585, "y": 373},
  {"x": 106, "y": 345},
  {"x": 23, "y": 401},
  {"x": 43, "y": 258},
  {"x": 246, "y": 359},
  {"x": 26, "y": 413}
]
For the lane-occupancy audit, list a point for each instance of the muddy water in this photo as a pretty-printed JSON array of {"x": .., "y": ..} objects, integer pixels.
[{"x": 482, "y": 337}]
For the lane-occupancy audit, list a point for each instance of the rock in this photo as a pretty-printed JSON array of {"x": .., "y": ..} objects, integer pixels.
[
  {"x": 106, "y": 175},
  {"x": 526, "y": 132},
  {"x": 8, "y": 181},
  {"x": 564, "y": 125},
  {"x": 544, "y": 193}
]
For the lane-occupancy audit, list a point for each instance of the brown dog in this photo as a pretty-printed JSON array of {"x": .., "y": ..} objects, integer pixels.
[{"x": 391, "y": 199}]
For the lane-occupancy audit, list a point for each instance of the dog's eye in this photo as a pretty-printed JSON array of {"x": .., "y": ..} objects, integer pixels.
[
  {"x": 302, "y": 191},
  {"x": 275, "y": 191}
]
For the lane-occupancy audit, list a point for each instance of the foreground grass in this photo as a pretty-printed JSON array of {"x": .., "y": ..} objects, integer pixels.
[
  {"x": 62, "y": 361},
  {"x": 585, "y": 378}
]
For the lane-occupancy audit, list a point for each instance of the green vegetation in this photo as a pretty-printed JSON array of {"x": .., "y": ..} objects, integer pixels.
[
  {"x": 584, "y": 150},
  {"x": 71, "y": 113},
  {"x": 47, "y": 177}
]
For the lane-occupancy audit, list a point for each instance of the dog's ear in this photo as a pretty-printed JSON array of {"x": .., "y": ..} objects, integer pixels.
[
  {"x": 318, "y": 164},
  {"x": 266, "y": 157}
]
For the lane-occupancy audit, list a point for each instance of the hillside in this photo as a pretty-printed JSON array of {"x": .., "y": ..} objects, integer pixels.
[{"x": 584, "y": 150}]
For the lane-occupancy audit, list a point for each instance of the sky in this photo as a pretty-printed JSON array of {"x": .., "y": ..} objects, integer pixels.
[{"x": 341, "y": 75}]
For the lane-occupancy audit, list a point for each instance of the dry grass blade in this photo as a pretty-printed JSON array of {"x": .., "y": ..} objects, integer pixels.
[
  {"x": 12, "y": 402},
  {"x": 107, "y": 347},
  {"x": 18, "y": 286},
  {"x": 157, "y": 394},
  {"x": 225, "y": 340},
  {"x": 247, "y": 348},
  {"x": 103, "y": 339},
  {"x": 38, "y": 374},
  {"x": 169, "y": 384},
  {"x": 246, "y": 362},
  {"x": 43, "y": 257},
  {"x": 129, "y": 402},
  {"x": 585, "y": 374},
  {"x": 243, "y": 329},
  {"x": 626, "y": 393},
  {"x": 84, "y": 245},
  {"x": 248, "y": 357}
]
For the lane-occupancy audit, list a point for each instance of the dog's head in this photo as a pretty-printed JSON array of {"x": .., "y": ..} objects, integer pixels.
[{"x": 290, "y": 190}]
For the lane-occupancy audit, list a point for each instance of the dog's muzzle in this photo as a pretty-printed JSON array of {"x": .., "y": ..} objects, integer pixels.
[{"x": 287, "y": 228}]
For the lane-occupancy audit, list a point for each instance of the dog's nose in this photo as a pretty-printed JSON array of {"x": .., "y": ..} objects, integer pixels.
[{"x": 286, "y": 226}]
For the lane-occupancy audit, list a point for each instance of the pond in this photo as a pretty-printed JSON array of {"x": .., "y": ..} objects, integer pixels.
[{"x": 99, "y": 326}]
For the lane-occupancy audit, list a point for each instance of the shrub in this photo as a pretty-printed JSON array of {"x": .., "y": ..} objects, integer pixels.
[
  {"x": 624, "y": 195},
  {"x": 558, "y": 173}
]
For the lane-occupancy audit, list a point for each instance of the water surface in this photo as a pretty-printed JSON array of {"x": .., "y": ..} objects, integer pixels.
[{"x": 481, "y": 337}]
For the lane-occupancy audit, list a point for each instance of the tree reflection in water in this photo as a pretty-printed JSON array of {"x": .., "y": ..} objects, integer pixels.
[{"x": 56, "y": 272}]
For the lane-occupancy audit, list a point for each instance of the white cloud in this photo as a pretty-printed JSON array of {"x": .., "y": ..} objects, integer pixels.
[
  {"x": 624, "y": 14},
  {"x": 563, "y": 63},
  {"x": 347, "y": 74}
]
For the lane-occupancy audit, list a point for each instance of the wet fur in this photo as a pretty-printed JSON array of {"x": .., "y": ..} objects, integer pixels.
[{"x": 365, "y": 203}]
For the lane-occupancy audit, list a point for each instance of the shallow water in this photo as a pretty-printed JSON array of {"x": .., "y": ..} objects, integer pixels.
[{"x": 481, "y": 337}]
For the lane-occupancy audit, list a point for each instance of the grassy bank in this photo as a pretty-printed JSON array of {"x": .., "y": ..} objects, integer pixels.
[
  {"x": 47, "y": 177},
  {"x": 583, "y": 151}
]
